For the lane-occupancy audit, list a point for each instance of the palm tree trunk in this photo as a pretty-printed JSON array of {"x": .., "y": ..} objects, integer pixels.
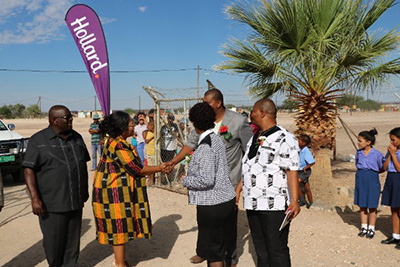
[{"x": 321, "y": 180}]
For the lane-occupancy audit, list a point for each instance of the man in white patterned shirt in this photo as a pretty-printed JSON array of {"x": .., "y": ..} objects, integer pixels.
[{"x": 270, "y": 185}]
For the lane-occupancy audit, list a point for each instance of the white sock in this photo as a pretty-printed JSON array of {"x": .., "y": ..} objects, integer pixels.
[
  {"x": 372, "y": 227},
  {"x": 365, "y": 226},
  {"x": 396, "y": 236}
]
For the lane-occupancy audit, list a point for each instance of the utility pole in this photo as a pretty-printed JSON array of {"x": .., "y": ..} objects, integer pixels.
[
  {"x": 198, "y": 81},
  {"x": 39, "y": 103},
  {"x": 351, "y": 101},
  {"x": 95, "y": 103},
  {"x": 139, "y": 103}
]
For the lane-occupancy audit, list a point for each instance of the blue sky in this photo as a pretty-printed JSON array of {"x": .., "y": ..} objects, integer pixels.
[{"x": 140, "y": 35}]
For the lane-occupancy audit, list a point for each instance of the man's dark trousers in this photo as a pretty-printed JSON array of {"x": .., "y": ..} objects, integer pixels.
[
  {"x": 270, "y": 243},
  {"x": 61, "y": 237},
  {"x": 231, "y": 237}
]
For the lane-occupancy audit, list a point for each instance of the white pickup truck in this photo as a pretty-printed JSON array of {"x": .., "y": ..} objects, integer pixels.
[{"x": 12, "y": 151}]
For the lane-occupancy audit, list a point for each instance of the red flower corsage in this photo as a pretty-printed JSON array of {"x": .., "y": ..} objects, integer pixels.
[{"x": 223, "y": 130}]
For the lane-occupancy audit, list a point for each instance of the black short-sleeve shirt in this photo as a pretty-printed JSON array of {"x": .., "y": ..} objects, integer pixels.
[{"x": 60, "y": 168}]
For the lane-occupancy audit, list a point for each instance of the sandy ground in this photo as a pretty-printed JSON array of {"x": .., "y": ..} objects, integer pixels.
[{"x": 317, "y": 237}]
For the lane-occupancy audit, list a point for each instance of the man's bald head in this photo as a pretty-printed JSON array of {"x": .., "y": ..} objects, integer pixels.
[
  {"x": 268, "y": 106},
  {"x": 215, "y": 94},
  {"x": 56, "y": 110}
]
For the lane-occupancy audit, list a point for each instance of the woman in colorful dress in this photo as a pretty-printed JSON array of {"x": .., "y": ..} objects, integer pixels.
[{"x": 120, "y": 203}]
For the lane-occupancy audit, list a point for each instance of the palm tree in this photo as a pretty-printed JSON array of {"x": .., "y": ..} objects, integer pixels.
[{"x": 313, "y": 50}]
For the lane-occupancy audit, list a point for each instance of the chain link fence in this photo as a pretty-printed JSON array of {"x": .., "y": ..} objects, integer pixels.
[{"x": 171, "y": 130}]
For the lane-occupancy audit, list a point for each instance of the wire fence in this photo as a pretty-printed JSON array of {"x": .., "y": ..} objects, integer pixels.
[{"x": 172, "y": 128}]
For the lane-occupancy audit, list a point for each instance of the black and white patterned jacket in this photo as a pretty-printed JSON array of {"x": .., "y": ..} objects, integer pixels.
[{"x": 208, "y": 178}]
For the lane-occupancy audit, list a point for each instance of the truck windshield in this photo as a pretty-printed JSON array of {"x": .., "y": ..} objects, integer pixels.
[{"x": 3, "y": 127}]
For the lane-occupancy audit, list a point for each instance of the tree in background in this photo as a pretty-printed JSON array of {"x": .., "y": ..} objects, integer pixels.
[
  {"x": 368, "y": 105},
  {"x": 33, "y": 111},
  {"x": 17, "y": 110},
  {"x": 289, "y": 104},
  {"x": 312, "y": 50},
  {"x": 6, "y": 111},
  {"x": 12, "y": 111},
  {"x": 359, "y": 102},
  {"x": 348, "y": 100},
  {"x": 129, "y": 111}
]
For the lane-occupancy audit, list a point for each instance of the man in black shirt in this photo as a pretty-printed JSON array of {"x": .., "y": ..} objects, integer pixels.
[{"x": 57, "y": 179}]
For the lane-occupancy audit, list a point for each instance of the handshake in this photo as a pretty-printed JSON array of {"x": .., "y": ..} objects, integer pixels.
[{"x": 167, "y": 167}]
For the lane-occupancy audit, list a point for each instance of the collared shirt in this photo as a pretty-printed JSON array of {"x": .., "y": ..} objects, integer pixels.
[
  {"x": 60, "y": 169},
  {"x": 265, "y": 183},
  {"x": 391, "y": 167},
  {"x": 306, "y": 158},
  {"x": 95, "y": 136},
  {"x": 204, "y": 134},
  {"x": 139, "y": 129},
  {"x": 217, "y": 127},
  {"x": 373, "y": 161}
]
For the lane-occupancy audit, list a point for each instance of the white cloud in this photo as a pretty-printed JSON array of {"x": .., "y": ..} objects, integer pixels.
[
  {"x": 36, "y": 20},
  {"x": 107, "y": 20},
  {"x": 142, "y": 8}
]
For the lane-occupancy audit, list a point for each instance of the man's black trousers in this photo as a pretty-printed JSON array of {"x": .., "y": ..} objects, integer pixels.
[
  {"x": 61, "y": 237},
  {"x": 270, "y": 243}
]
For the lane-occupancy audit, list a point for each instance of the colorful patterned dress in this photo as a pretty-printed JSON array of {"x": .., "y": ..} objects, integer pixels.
[{"x": 120, "y": 202}]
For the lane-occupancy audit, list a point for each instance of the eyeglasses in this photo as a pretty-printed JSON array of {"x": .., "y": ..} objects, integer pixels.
[
  {"x": 66, "y": 117},
  {"x": 131, "y": 125}
]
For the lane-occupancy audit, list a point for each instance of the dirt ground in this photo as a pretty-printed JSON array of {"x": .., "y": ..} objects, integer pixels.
[{"x": 318, "y": 237}]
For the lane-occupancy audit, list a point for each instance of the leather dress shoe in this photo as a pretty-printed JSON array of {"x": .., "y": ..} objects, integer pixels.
[
  {"x": 397, "y": 246},
  {"x": 370, "y": 233},
  {"x": 390, "y": 240},
  {"x": 196, "y": 259},
  {"x": 362, "y": 232}
]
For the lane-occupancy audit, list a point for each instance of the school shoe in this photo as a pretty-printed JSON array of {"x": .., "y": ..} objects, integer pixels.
[
  {"x": 397, "y": 246},
  {"x": 362, "y": 232},
  {"x": 370, "y": 233},
  {"x": 196, "y": 259},
  {"x": 390, "y": 240}
]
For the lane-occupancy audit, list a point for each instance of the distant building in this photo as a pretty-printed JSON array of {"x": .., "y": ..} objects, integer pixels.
[{"x": 88, "y": 113}]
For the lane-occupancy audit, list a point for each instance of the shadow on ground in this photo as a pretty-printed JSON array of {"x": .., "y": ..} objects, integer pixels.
[
  {"x": 35, "y": 254},
  {"x": 383, "y": 222},
  {"x": 165, "y": 234}
]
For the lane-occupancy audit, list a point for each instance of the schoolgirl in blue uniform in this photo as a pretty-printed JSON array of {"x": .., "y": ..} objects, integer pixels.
[
  {"x": 391, "y": 190},
  {"x": 368, "y": 188}
]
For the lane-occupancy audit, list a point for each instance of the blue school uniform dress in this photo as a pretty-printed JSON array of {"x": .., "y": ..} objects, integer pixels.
[
  {"x": 368, "y": 187},
  {"x": 391, "y": 189}
]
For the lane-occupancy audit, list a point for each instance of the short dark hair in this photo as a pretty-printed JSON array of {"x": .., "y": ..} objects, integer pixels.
[
  {"x": 216, "y": 94},
  {"x": 369, "y": 135},
  {"x": 202, "y": 116},
  {"x": 305, "y": 138},
  {"x": 115, "y": 124},
  {"x": 141, "y": 113},
  {"x": 395, "y": 132},
  {"x": 151, "y": 111}
]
